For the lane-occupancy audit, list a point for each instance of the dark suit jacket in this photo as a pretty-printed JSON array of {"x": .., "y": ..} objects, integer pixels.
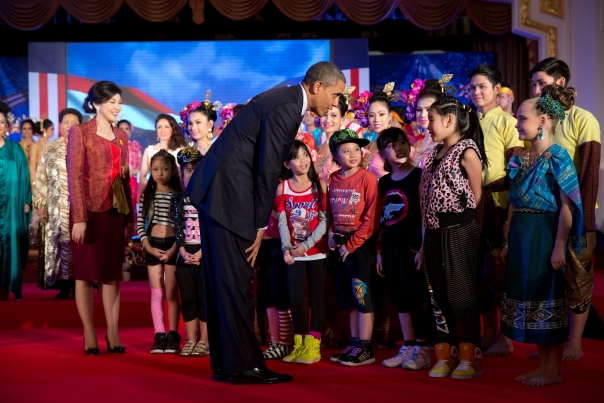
[{"x": 235, "y": 182}]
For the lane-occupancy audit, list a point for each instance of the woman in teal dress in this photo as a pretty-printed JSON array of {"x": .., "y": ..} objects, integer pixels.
[
  {"x": 15, "y": 210},
  {"x": 546, "y": 218}
]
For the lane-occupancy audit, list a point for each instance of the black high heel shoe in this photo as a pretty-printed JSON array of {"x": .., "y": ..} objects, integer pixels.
[
  {"x": 116, "y": 349},
  {"x": 91, "y": 350}
]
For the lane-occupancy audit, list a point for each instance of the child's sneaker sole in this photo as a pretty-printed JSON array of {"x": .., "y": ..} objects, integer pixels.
[
  {"x": 306, "y": 361},
  {"x": 467, "y": 376},
  {"x": 357, "y": 364},
  {"x": 157, "y": 351}
]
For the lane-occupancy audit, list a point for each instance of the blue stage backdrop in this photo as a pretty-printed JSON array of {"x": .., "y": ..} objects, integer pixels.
[
  {"x": 13, "y": 87},
  {"x": 404, "y": 68},
  {"x": 162, "y": 77}
]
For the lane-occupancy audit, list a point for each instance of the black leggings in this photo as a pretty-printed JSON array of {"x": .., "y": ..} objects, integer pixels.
[
  {"x": 190, "y": 284},
  {"x": 296, "y": 281},
  {"x": 450, "y": 261}
]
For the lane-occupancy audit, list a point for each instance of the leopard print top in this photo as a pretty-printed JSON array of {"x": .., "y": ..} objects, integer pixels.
[{"x": 446, "y": 189}]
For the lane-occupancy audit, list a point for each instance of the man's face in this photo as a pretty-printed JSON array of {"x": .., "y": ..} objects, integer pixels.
[
  {"x": 540, "y": 80},
  {"x": 482, "y": 92},
  {"x": 322, "y": 98}
]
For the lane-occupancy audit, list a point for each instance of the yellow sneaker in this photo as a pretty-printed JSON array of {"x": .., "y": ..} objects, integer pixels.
[
  {"x": 447, "y": 357},
  {"x": 470, "y": 364},
  {"x": 311, "y": 352},
  {"x": 298, "y": 347}
]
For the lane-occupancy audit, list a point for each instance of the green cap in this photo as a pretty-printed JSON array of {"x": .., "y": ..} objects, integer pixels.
[{"x": 345, "y": 136}]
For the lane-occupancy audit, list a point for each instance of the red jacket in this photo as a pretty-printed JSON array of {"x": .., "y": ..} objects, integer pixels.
[{"x": 92, "y": 166}]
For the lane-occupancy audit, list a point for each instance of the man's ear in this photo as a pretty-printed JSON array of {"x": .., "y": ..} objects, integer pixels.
[
  {"x": 314, "y": 88},
  {"x": 496, "y": 88},
  {"x": 561, "y": 82}
]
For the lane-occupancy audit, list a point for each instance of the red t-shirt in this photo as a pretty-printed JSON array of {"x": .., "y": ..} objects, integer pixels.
[{"x": 355, "y": 206}]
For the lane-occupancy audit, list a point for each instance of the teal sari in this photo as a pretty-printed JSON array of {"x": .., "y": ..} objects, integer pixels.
[{"x": 533, "y": 307}]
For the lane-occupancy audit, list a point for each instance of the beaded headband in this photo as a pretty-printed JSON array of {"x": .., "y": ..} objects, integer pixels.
[
  {"x": 551, "y": 107},
  {"x": 188, "y": 154}
]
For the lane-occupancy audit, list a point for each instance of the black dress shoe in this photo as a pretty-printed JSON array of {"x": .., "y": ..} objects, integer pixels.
[
  {"x": 220, "y": 376},
  {"x": 115, "y": 349},
  {"x": 261, "y": 375}
]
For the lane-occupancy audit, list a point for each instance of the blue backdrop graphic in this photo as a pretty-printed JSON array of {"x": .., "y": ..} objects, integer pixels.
[
  {"x": 403, "y": 69},
  {"x": 14, "y": 86},
  {"x": 176, "y": 73}
]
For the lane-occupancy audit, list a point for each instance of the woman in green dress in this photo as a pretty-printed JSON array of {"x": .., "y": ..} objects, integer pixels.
[{"x": 15, "y": 210}]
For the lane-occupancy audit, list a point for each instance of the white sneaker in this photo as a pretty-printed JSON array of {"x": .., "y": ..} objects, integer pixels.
[
  {"x": 404, "y": 355},
  {"x": 420, "y": 359}
]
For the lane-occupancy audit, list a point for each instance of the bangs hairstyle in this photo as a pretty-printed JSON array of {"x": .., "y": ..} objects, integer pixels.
[
  {"x": 286, "y": 173},
  {"x": 382, "y": 97},
  {"x": 70, "y": 111},
  {"x": 554, "y": 68},
  {"x": 432, "y": 89},
  {"x": 467, "y": 122},
  {"x": 174, "y": 182},
  {"x": 491, "y": 72},
  {"x": 177, "y": 140},
  {"x": 182, "y": 168},
  {"x": 31, "y": 123},
  {"x": 99, "y": 93},
  {"x": 389, "y": 136}
]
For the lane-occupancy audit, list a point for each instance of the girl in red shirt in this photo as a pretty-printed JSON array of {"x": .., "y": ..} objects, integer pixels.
[{"x": 301, "y": 205}]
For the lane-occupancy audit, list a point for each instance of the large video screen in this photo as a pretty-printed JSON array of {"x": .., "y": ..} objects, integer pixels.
[{"x": 162, "y": 77}]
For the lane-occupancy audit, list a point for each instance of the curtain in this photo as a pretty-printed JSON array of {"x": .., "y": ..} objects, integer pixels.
[
  {"x": 91, "y": 11},
  {"x": 238, "y": 10},
  {"x": 495, "y": 18},
  {"x": 512, "y": 58},
  {"x": 303, "y": 10},
  {"x": 432, "y": 14}
]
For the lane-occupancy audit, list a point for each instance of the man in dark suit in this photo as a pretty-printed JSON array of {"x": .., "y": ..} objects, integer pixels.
[{"x": 234, "y": 187}]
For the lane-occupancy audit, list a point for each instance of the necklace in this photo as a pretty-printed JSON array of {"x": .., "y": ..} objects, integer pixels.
[{"x": 526, "y": 160}]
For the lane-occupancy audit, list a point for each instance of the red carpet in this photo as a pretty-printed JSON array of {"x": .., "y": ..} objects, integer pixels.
[{"x": 41, "y": 360}]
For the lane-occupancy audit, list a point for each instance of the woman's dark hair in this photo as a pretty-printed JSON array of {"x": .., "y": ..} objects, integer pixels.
[
  {"x": 177, "y": 139},
  {"x": 468, "y": 124},
  {"x": 432, "y": 89},
  {"x": 99, "y": 93},
  {"x": 174, "y": 183},
  {"x": 43, "y": 124},
  {"x": 564, "y": 95},
  {"x": 388, "y": 136},
  {"x": 552, "y": 67},
  {"x": 31, "y": 122},
  {"x": 380, "y": 96},
  {"x": 342, "y": 106},
  {"x": 208, "y": 112},
  {"x": 491, "y": 72},
  {"x": 69, "y": 111},
  {"x": 286, "y": 173},
  {"x": 126, "y": 122}
]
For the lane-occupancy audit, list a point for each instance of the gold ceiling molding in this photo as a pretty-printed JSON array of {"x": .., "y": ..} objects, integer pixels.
[
  {"x": 554, "y": 8},
  {"x": 552, "y": 32}
]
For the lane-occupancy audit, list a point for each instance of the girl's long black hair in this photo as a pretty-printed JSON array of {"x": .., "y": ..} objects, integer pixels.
[
  {"x": 174, "y": 183},
  {"x": 467, "y": 120},
  {"x": 286, "y": 173}
]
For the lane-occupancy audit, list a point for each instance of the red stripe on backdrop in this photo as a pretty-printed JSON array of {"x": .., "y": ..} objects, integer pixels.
[
  {"x": 354, "y": 80},
  {"x": 62, "y": 92},
  {"x": 43, "y": 95}
]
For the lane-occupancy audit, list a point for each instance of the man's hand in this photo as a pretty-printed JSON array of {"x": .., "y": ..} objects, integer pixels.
[{"x": 253, "y": 250}]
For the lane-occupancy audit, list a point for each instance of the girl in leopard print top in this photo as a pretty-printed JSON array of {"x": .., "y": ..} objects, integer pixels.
[{"x": 451, "y": 192}]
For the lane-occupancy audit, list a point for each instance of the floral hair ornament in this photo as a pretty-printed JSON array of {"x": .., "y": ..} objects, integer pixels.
[
  {"x": 389, "y": 90},
  {"x": 347, "y": 94},
  {"x": 446, "y": 89},
  {"x": 226, "y": 115},
  {"x": 193, "y": 106},
  {"x": 360, "y": 107},
  {"x": 551, "y": 107},
  {"x": 188, "y": 154},
  {"x": 417, "y": 86}
]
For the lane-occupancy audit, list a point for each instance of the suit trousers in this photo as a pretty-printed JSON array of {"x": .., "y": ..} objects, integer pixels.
[{"x": 229, "y": 298}]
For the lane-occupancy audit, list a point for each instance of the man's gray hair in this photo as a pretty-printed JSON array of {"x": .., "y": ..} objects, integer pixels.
[{"x": 326, "y": 72}]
